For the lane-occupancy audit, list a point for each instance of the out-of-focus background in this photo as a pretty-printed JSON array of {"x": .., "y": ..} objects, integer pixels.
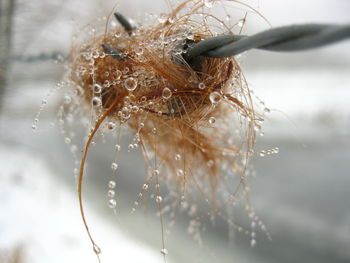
[{"x": 302, "y": 194}]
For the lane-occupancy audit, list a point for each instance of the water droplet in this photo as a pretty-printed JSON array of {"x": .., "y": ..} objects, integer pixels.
[
  {"x": 155, "y": 172},
  {"x": 112, "y": 184},
  {"x": 162, "y": 18},
  {"x": 106, "y": 84},
  {"x": 253, "y": 243},
  {"x": 67, "y": 99},
  {"x": 67, "y": 140},
  {"x": 267, "y": 110},
  {"x": 130, "y": 84},
  {"x": 178, "y": 157},
  {"x": 201, "y": 85},
  {"x": 97, "y": 88},
  {"x": 212, "y": 120},
  {"x": 117, "y": 147},
  {"x": 262, "y": 153},
  {"x": 253, "y": 224},
  {"x": 159, "y": 199},
  {"x": 145, "y": 187},
  {"x": 112, "y": 203},
  {"x": 135, "y": 109},
  {"x": 44, "y": 102},
  {"x": 164, "y": 251},
  {"x": 111, "y": 125},
  {"x": 96, "y": 102},
  {"x": 34, "y": 127},
  {"x": 208, "y": 3},
  {"x": 241, "y": 23},
  {"x": 166, "y": 93},
  {"x": 111, "y": 193},
  {"x": 139, "y": 51},
  {"x": 114, "y": 166},
  {"x": 131, "y": 146},
  {"x": 96, "y": 249},
  {"x": 179, "y": 172},
  {"x": 215, "y": 97}
]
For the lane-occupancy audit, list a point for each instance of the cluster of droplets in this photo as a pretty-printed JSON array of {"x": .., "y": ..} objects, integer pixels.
[
  {"x": 131, "y": 80},
  {"x": 268, "y": 152},
  {"x": 112, "y": 203},
  {"x": 44, "y": 103}
]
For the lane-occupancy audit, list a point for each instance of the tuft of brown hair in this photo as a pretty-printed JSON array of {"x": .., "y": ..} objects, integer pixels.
[{"x": 194, "y": 121}]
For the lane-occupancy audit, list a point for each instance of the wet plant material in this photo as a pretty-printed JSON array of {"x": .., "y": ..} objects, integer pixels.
[{"x": 195, "y": 121}]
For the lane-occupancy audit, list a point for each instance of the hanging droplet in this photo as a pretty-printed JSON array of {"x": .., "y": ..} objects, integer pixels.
[
  {"x": 262, "y": 153},
  {"x": 67, "y": 99},
  {"x": 166, "y": 93},
  {"x": 114, "y": 166},
  {"x": 155, "y": 172},
  {"x": 212, "y": 120},
  {"x": 178, "y": 157},
  {"x": 131, "y": 147},
  {"x": 117, "y": 147},
  {"x": 97, "y": 249},
  {"x": 145, "y": 187},
  {"x": 162, "y": 18},
  {"x": 267, "y": 110},
  {"x": 111, "y": 193},
  {"x": 215, "y": 97},
  {"x": 159, "y": 199},
  {"x": 67, "y": 140},
  {"x": 164, "y": 251},
  {"x": 111, "y": 125},
  {"x": 208, "y": 3},
  {"x": 139, "y": 51},
  {"x": 96, "y": 102},
  {"x": 241, "y": 23},
  {"x": 252, "y": 243},
  {"x": 112, "y": 184},
  {"x": 179, "y": 172},
  {"x": 112, "y": 203},
  {"x": 201, "y": 85},
  {"x": 34, "y": 127},
  {"x": 130, "y": 84},
  {"x": 97, "y": 88}
]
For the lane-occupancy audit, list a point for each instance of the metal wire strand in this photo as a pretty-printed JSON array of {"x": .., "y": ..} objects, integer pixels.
[{"x": 286, "y": 39}]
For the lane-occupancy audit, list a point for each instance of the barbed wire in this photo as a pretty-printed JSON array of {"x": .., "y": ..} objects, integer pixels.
[{"x": 286, "y": 39}]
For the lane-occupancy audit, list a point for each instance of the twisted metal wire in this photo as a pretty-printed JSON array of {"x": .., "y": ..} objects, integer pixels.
[{"x": 286, "y": 39}]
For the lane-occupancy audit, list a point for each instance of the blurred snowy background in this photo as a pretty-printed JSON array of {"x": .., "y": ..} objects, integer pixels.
[{"x": 302, "y": 194}]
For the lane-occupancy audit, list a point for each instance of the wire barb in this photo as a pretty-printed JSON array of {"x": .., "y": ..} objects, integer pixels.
[
  {"x": 282, "y": 39},
  {"x": 124, "y": 22}
]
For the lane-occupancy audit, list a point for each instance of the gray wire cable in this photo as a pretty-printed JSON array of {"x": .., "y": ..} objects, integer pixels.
[{"x": 286, "y": 39}]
